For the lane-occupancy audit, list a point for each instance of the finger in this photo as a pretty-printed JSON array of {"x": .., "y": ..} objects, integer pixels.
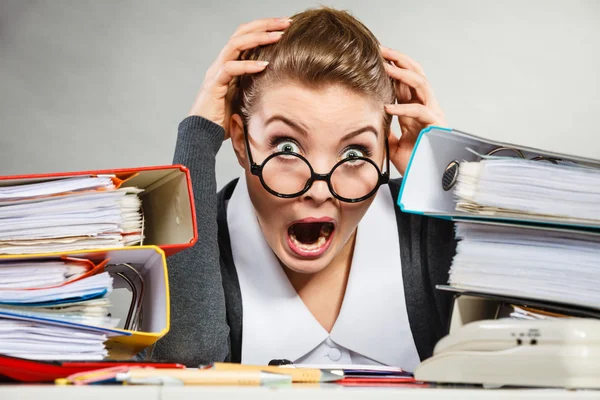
[
  {"x": 263, "y": 25},
  {"x": 237, "y": 68},
  {"x": 411, "y": 127},
  {"x": 401, "y": 60},
  {"x": 237, "y": 44},
  {"x": 419, "y": 112},
  {"x": 414, "y": 80},
  {"x": 230, "y": 52},
  {"x": 392, "y": 138},
  {"x": 403, "y": 92},
  {"x": 400, "y": 150}
]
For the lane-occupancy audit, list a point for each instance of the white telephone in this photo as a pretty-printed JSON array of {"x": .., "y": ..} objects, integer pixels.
[{"x": 549, "y": 353}]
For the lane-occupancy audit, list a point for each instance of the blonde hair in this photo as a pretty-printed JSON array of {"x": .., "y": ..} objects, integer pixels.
[{"x": 321, "y": 47}]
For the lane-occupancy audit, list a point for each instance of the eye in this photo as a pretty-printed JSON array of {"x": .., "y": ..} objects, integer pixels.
[
  {"x": 288, "y": 147},
  {"x": 352, "y": 153},
  {"x": 285, "y": 144}
]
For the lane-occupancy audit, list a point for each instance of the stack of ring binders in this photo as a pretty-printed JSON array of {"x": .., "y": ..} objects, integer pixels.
[
  {"x": 523, "y": 276},
  {"x": 138, "y": 314}
]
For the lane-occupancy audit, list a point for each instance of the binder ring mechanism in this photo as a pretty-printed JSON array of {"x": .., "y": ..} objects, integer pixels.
[
  {"x": 133, "y": 280},
  {"x": 450, "y": 175}
]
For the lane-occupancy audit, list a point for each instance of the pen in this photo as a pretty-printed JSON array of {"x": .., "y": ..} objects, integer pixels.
[
  {"x": 200, "y": 377},
  {"x": 306, "y": 375}
]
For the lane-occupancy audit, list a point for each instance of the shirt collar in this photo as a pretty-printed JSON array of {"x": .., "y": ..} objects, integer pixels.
[{"x": 373, "y": 320}]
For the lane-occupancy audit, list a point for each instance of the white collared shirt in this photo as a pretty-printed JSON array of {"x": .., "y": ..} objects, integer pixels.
[{"x": 372, "y": 326}]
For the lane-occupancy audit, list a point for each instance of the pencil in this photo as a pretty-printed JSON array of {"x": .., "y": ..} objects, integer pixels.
[
  {"x": 305, "y": 375},
  {"x": 168, "y": 376}
]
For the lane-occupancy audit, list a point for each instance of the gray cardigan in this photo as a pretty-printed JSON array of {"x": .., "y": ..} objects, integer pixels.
[{"x": 206, "y": 302}]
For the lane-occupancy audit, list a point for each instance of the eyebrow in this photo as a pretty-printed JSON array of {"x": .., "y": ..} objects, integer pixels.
[{"x": 303, "y": 131}]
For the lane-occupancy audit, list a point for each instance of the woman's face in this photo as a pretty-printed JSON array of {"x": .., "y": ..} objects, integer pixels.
[{"x": 325, "y": 126}]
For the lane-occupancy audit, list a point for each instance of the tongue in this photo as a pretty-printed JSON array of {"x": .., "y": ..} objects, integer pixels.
[{"x": 307, "y": 233}]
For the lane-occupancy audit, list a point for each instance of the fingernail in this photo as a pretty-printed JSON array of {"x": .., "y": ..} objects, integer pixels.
[
  {"x": 276, "y": 33},
  {"x": 262, "y": 63},
  {"x": 285, "y": 20}
]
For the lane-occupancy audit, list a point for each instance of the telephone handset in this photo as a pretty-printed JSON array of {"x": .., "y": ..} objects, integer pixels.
[{"x": 549, "y": 353}]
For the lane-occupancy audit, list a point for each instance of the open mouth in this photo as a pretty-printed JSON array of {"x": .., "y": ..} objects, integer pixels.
[{"x": 310, "y": 239}]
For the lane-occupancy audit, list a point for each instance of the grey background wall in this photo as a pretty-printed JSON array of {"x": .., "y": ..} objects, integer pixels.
[{"x": 100, "y": 84}]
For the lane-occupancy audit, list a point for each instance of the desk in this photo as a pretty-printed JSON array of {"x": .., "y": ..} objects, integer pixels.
[{"x": 48, "y": 392}]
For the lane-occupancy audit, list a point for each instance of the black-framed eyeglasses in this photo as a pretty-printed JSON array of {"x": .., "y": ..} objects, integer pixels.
[{"x": 287, "y": 174}]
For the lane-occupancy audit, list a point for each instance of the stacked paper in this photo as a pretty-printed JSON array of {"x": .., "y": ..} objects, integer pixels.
[
  {"x": 86, "y": 288},
  {"x": 37, "y": 295},
  {"x": 548, "y": 264},
  {"x": 42, "y": 341},
  {"x": 87, "y": 312},
  {"x": 69, "y": 214},
  {"x": 39, "y": 274},
  {"x": 515, "y": 187},
  {"x": 529, "y": 313},
  {"x": 70, "y": 289}
]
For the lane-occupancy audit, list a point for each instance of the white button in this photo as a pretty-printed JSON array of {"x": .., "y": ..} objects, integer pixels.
[{"x": 335, "y": 354}]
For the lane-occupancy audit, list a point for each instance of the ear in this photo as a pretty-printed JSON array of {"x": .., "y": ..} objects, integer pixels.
[{"x": 236, "y": 130}]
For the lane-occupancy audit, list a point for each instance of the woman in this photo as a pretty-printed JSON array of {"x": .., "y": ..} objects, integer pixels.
[{"x": 306, "y": 257}]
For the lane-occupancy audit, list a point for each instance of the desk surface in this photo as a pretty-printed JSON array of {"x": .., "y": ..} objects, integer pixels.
[{"x": 49, "y": 392}]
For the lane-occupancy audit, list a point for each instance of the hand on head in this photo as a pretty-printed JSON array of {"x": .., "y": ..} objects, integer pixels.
[
  {"x": 416, "y": 106},
  {"x": 211, "y": 99}
]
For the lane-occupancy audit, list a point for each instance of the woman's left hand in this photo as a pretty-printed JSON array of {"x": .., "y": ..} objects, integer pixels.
[{"x": 416, "y": 105}]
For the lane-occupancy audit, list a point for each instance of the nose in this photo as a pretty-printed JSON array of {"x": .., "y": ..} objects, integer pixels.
[{"x": 319, "y": 192}]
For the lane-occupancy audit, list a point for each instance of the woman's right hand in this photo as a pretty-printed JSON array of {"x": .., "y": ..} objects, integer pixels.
[{"x": 211, "y": 99}]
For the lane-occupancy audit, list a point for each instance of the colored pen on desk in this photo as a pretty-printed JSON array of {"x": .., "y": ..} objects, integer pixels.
[
  {"x": 298, "y": 375},
  {"x": 151, "y": 376}
]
